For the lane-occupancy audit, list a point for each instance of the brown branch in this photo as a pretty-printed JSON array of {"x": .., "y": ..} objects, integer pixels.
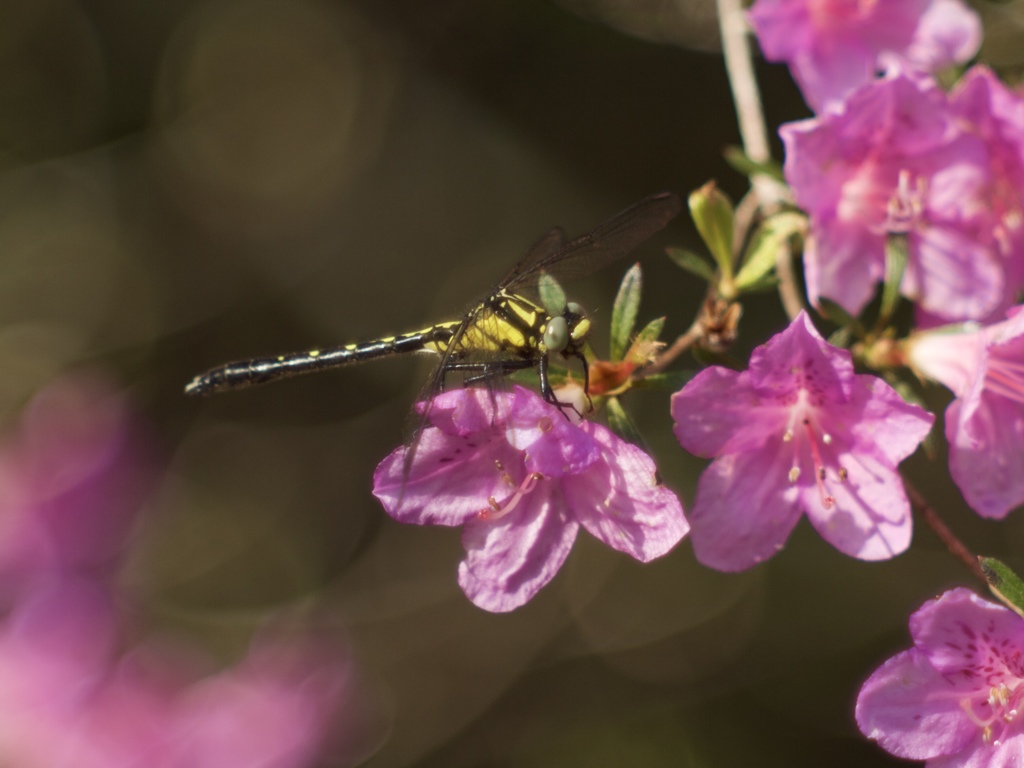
[{"x": 956, "y": 547}]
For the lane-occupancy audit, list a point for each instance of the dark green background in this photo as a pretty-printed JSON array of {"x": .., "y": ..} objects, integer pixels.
[{"x": 185, "y": 183}]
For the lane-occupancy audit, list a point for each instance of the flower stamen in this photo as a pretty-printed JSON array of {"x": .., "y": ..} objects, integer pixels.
[
  {"x": 827, "y": 500},
  {"x": 495, "y": 511}
]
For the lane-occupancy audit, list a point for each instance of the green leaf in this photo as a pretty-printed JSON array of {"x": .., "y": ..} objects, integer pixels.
[
  {"x": 760, "y": 257},
  {"x": 841, "y": 317},
  {"x": 624, "y": 312},
  {"x": 666, "y": 380},
  {"x": 621, "y": 423},
  {"x": 651, "y": 331},
  {"x": 692, "y": 263},
  {"x": 765, "y": 284},
  {"x": 712, "y": 212},
  {"x": 1004, "y": 583},
  {"x": 551, "y": 294},
  {"x": 840, "y": 338},
  {"x": 707, "y": 357},
  {"x": 896, "y": 253},
  {"x": 742, "y": 162}
]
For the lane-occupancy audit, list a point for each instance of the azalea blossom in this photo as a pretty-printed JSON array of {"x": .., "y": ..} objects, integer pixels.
[
  {"x": 943, "y": 170},
  {"x": 71, "y": 698},
  {"x": 955, "y": 698},
  {"x": 73, "y": 477},
  {"x": 984, "y": 368},
  {"x": 521, "y": 479},
  {"x": 74, "y": 693},
  {"x": 797, "y": 432},
  {"x": 834, "y": 46}
]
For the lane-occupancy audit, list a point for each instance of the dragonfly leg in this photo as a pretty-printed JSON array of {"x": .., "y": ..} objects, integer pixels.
[
  {"x": 489, "y": 370},
  {"x": 586, "y": 379},
  {"x": 549, "y": 393}
]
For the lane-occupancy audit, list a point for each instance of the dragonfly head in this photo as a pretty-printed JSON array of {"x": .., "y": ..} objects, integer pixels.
[{"x": 567, "y": 331}]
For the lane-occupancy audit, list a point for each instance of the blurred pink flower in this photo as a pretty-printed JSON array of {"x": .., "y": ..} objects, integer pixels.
[
  {"x": 984, "y": 368},
  {"x": 71, "y": 699},
  {"x": 954, "y": 698},
  {"x": 72, "y": 480},
  {"x": 835, "y": 46},
  {"x": 798, "y": 432},
  {"x": 944, "y": 170},
  {"x": 521, "y": 480}
]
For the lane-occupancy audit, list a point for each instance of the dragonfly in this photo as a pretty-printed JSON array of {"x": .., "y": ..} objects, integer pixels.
[{"x": 505, "y": 332}]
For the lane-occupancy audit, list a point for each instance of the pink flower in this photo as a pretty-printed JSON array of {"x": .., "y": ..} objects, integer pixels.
[
  {"x": 905, "y": 157},
  {"x": 70, "y": 699},
  {"x": 955, "y": 697},
  {"x": 834, "y": 46},
  {"x": 72, "y": 480},
  {"x": 521, "y": 479},
  {"x": 797, "y": 432},
  {"x": 985, "y": 423}
]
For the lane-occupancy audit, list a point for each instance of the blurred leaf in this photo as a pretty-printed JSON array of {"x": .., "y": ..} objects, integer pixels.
[
  {"x": 624, "y": 312},
  {"x": 707, "y": 357},
  {"x": 1004, "y": 583},
  {"x": 840, "y": 338},
  {"x": 713, "y": 214},
  {"x": 551, "y": 294},
  {"x": 692, "y": 263},
  {"x": 840, "y": 317},
  {"x": 621, "y": 423},
  {"x": 896, "y": 253},
  {"x": 666, "y": 380},
  {"x": 742, "y": 162},
  {"x": 760, "y": 257},
  {"x": 765, "y": 284}
]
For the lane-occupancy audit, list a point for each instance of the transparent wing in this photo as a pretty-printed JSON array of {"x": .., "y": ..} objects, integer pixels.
[
  {"x": 549, "y": 244},
  {"x": 418, "y": 420},
  {"x": 611, "y": 240}
]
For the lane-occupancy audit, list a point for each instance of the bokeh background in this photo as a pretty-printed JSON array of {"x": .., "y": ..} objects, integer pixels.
[{"x": 186, "y": 183}]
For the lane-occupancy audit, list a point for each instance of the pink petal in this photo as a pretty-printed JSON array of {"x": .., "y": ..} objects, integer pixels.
[
  {"x": 912, "y": 711},
  {"x": 712, "y": 411},
  {"x": 882, "y": 423},
  {"x": 843, "y": 263},
  {"x": 745, "y": 509},
  {"x": 949, "y": 32},
  {"x": 985, "y": 456},
  {"x": 871, "y": 518},
  {"x": 953, "y": 275},
  {"x": 620, "y": 501},
  {"x": 451, "y": 478},
  {"x": 960, "y": 631},
  {"x": 510, "y": 559},
  {"x": 554, "y": 446}
]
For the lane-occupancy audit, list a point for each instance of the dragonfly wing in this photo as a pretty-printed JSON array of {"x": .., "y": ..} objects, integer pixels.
[
  {"x": 611, "y": 240},
  {"x": 547, "y": 245}
]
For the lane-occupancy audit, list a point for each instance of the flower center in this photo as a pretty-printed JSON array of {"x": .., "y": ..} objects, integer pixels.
[
  {"x": 994, "y": 714},
  {"x": 803, "y": 427},
  {"x": 906, "y": 206},
  {"x": 1005, "y": 378},
  {"x": 496, "y": 510}
]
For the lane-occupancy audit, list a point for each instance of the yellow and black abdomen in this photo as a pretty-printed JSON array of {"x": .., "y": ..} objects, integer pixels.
[{"x": 245, "y": 373}]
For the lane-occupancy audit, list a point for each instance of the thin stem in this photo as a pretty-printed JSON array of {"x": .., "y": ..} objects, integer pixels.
[
  {"x": 956, "y": 547},
  {"x": 681, "y": 344},
  {"x": 739, "y": 67}
]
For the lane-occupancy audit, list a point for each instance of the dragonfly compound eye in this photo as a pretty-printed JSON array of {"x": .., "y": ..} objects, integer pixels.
[{"x": 556, "y": 334}]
